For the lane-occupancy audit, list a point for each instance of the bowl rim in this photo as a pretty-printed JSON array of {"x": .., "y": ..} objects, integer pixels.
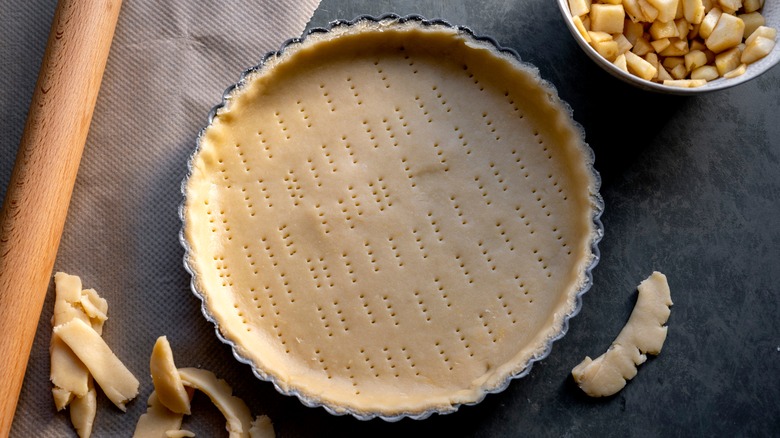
[
  {"x": 754, "y": 70},
  {"x": 597, "y": 232}
]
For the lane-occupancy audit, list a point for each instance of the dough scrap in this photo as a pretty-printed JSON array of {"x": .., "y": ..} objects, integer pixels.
[
  {"x": 236, "y": 412},
  {"x": 83, "y": 411},
  {"x": 116, "y": 381},
  {"x": 643, "y": 334},
  {"x": 67, "y": 372},
  {"x": 181, "y": 433},
  {"x": 157, "y": 421},
  {"x": 167, "y": 382},
  {"x": 262, "y": 428},
  {"x": 95, "y": 306}
]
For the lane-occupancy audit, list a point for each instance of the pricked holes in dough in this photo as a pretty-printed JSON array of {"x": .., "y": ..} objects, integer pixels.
[
  {"x": 466, "y": 344},
  {"x": 458, "y": 210},
  {"x": 395, "y": 251},
  {"x": 487, "y": 327},
  {"x": 355, "y": 92},
  {"x": 442, "y": 293},
  {"x": 282, "y": 125},
  {"x": 390, "y": 312},
  {"x": 498, "y": 177},
  {"x": 420, "y": 244},
  {"x": 370, "y": 134},
  {"x": 440, "y": 156},
  {"x": 293, "y": 187},
  {"x": 371, "y": 257},
  {"x": 443, "y": 355},
  {"x": 464, "y": 270},
  {"x": 435, "y": 227},
  {"x": 327, "y": 98},
  {"x": 423, "y": 109},
  {"x": 422, "y": 306},
  {"x": 464, "y": 142},
  {"x": 402, "y": 120},
  {"x": 505, "y": 236},
  {"x": 483, "y": 190},
  {"x": 486, "y": 255},
  {"x": 348, "y": 267},
  {"x": 408, "y": 172}
]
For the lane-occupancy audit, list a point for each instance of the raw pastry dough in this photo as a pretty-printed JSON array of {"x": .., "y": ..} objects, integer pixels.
[
  {"x": 116, "y": 381},
  {"x": 239, "y": 420},
  {"x": 157, "y": 420},
  {"x": 167, "y": 383},
  {"x": 68, "y": 374},
  {"x": 262, "y": 428},
  {"x": 390, "y": 218},
  {"x": 83, "y": 410},
  {"x": 643, "y": 334}
]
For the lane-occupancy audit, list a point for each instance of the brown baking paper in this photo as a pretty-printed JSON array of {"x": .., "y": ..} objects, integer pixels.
[{"x": 169, "y": 64}]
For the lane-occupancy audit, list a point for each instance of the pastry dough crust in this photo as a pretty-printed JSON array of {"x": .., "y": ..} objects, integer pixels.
[{"x": 390, "y": 218}]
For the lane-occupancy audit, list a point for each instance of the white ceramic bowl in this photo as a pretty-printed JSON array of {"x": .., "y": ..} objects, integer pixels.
[{"x": 770, "y": 11}]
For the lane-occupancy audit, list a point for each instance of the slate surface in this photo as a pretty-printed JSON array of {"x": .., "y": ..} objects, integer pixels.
[{"x": 692, "y": 188}]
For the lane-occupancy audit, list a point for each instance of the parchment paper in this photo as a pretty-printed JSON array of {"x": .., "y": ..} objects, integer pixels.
[{"x": 169, "y": 63}]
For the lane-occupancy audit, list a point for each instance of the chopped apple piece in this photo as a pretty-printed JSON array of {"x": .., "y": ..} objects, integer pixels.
[
  {"x": 727, "y": 33},
  {"x": 660, "y": 30},
  {"x": 762, "y": 31},
  {"x": 730, "y": 6},
  {"x": 752, "y": 21},
  {"x": 660, "y": 45},
  {"x": 673, "y": 61},
  {"x": 620, "y": 62},
  {"x": 757, "y": 49},
  {"x": 679, "y": 72},
  {"x": 667, "y": 9},
  {"x": 709, "y": 22},
  {"x": 752, "y": 5},
  {"x": 706, "y": 72},
  {"x": 633, "y": 10},
  {"x": 694, "y": 60},
  {"x": 640, "y": 67},
  {"x": 579, "y": 7},
  {"x": 686, "y": 83},
  {"x": 728, "y": 60},
  {"x": 739, "y": 71},
  {"x": 632, "y": 31},
  {"x": 607, "y": 18},
  {"x": 694, "y": 10},
  {"x": 682, "y": 28},
  {"x": 652, "y": 58},
  {"x": 623, "y": 44},
  {"x": 581, "y": 28},
  {"x": 607, "y": 49},
  {"x": 648, "y": 10},
  {"x": 677, "y": 47},
  {"x": 663, "y": 75},
  {"x": 642, "y": 47}
]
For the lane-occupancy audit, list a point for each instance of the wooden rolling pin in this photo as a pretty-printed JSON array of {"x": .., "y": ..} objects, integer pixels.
[{"x": 38, "y": 195}]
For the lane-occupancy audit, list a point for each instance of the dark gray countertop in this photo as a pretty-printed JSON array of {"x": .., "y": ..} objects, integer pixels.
[{"x": 692, "y": 189}]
